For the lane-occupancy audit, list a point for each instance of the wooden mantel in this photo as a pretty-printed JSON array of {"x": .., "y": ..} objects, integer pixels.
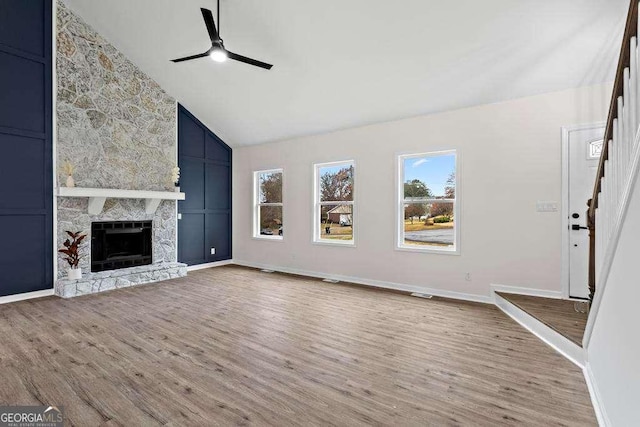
[{"x": 97, "y": 197}]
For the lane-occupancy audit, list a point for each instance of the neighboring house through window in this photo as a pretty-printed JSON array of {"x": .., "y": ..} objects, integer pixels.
[
  {"x": 334, "y": 203},
  {"x": 268, "y": 207},
  {"x": 427, "y": 202}
]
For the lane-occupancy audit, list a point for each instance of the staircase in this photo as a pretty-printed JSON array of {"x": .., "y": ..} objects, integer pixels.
[
  {"x": 610, "y": 348},
  {"x": 618, "y": 166}
]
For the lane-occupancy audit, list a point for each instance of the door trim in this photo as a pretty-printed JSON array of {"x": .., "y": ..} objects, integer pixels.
[{"x": 564, "y": 211}]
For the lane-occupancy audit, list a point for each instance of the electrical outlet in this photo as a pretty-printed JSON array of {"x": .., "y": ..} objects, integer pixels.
[{"x": 213, "y": 251}]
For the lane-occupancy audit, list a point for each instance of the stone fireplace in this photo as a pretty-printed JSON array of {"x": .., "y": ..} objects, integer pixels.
[{"x": 117, "y": 128}]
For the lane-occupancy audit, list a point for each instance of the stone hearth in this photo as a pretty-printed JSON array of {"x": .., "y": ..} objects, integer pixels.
[{"x": 122, "y": 278}]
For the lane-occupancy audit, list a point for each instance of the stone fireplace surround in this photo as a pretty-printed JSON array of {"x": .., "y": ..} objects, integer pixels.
[
  {"x": 117, "y": 127},
  {"x": 73, "y": 215}
]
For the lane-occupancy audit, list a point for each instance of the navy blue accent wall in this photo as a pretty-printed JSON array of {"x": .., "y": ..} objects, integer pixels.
[
  {"x": 205, "y": 177},
  {"x": 26, "y": 202}
]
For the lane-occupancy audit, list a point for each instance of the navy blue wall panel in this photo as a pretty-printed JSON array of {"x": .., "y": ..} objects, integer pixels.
[
  {"x": 22, "y": 81},
  {"x": 23, "y": 27},
  {"x": 23, "y": 264},
  {"x": 217, "y": 234},
  {"x": 218, "y": 182},
  {"x": 23, "y": 170},
  {"x": 216, "y": 149},
  {"x": 205, "y": 177},
  {"x": 191, "y": 238},
  {"x": 26, "y": 205},
  {"x": 193, "y": 136},
  {"x": 192, "y": 178}
]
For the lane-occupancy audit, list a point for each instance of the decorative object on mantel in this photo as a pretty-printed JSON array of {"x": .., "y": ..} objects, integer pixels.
[
  {"x": 175, "y": 178},
  {"x": 72, "y": 254},
  {"x": 68, "y": 169},
  {"x": 97, "y": 197}
]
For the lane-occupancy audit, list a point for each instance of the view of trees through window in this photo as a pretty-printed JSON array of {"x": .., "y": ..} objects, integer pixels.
[
  {"x": 269, "y": 203},
  {"x": 335, "y": 202},
  {"x": 428, "y": 200}
]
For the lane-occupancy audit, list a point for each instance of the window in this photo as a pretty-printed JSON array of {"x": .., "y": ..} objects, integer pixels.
[
  {"x": 334, "y": 207},
  {"x": 595, "y": 149},
  {"x": 267, "y": 216},
  {"x": 427, "y": 207}
]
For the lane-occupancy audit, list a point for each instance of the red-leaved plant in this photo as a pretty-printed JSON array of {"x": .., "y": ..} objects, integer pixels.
[{"x": 71, "y": 248}]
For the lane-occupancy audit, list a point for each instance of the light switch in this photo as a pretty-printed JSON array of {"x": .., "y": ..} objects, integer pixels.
[{"x": 546, "y": 206}]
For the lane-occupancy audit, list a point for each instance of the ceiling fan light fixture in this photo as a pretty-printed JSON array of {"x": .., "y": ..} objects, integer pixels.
[
  {"x": 217, "y": 52},
  {"x": 219, "y": 55}
]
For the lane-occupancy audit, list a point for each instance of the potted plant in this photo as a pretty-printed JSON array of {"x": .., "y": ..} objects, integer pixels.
[{"x": 72, "y": 255}]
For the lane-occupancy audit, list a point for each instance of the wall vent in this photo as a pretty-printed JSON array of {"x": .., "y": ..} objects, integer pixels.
[
  {"x": 331, "y": 280},
  {"x": 264, "y": 270}
]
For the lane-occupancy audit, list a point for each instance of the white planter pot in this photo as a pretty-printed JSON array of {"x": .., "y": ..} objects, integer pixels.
[
  {"x": 70, "y": 181},
  {"x": 177, "y": 189},
  {"x": 74, "y": 273}
]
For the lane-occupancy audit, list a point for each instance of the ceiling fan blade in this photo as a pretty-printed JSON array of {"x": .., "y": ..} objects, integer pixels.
[
  {"x": 249, "y": 61},
  {"x": 211, "y": 25},
  {"x": 188, "y": 58}
]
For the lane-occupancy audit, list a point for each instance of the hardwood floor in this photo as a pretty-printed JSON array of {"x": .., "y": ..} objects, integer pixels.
[
  {"x": 234, "y": 346},
  {"x": 560, "y": 315}
]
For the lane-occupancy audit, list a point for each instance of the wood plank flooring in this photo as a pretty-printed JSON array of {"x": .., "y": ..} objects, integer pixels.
[
  {"x": 560, "y": 315},
  {"x": 234, "y": 346}
]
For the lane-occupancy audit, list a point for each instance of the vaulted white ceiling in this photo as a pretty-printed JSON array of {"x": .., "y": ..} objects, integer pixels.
[{"x": 345, "y": 63}]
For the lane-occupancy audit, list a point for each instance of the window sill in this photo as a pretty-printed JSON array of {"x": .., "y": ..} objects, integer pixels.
[
  {"x": 428, "y": 250},
  {"x": 337, "y": 243},
  {"x": 269, "y": 238}
]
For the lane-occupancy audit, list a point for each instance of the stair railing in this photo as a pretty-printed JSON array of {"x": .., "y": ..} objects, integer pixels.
[{"x": 620, "y": 141}]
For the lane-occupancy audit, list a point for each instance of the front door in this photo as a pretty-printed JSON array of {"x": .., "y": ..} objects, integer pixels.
[{"x": 584, "y": 147}]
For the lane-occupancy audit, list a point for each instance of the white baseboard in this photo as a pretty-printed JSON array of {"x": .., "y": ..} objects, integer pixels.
[
  {"x": 26, "y": 295},
  {"x": 209, "y": 265},
  {"x": 526, "y": 291},
  {"x": 596, "y": 399},
  {"x": 371, "y": 282},
  {"x": 562, "y": 345}
]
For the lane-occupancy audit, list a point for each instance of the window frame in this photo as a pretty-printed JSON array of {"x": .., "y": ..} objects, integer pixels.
[
  {"x": 257, "y": 204},
  {"x": 317, "y": 203},
  {"x": 400, "y": 204}
]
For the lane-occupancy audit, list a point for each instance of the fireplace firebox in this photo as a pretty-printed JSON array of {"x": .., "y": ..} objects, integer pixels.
[{"x": 120, "y": 244}]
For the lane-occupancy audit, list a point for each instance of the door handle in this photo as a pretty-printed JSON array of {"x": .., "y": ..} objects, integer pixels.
[{"x": 578, "y": 227}]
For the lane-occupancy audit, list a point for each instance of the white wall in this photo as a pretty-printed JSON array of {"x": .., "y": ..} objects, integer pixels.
[
  {"x": 614, "y": 348},
  {"x": 510, "y": 158}
]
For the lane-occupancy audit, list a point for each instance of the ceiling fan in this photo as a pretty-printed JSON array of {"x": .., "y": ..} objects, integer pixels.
[{"x": 217, "y": 52}]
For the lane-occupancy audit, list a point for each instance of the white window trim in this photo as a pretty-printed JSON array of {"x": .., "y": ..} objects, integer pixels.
[
  {"x": 256, "y": 206},
  {"x": 317, "y": 203},
  {"x": 400, "y": 246}
]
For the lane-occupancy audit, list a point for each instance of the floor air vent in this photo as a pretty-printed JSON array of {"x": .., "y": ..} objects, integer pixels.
[
  {"x": 264, "y": 270},
  {"x": 331, "y": 280},
  {"x": 420, "y": 295}
]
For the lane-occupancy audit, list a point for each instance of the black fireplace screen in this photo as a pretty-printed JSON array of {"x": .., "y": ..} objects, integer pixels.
[{"x": 120, "y": 244}]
